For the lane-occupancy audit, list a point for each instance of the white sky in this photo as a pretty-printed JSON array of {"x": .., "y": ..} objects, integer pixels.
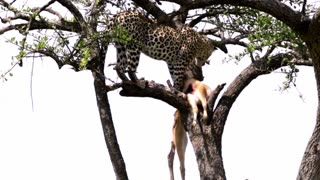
[{"x": 265, "y": 135}]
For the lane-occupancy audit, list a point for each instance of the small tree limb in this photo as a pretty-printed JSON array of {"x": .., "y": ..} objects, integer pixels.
[{"x": 212, "y": 99}]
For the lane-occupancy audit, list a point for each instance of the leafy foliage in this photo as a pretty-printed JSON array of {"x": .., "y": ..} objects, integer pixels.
[
  {"x": 119, "y": 34},
  {"x": 260, "y": 35}
]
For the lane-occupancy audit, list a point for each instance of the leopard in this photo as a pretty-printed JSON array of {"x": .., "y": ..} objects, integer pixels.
[{"x": 179, "y": 47}]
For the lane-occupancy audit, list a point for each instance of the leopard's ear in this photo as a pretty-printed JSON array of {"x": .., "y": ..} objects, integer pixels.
[{"x": 220, "y": 45}]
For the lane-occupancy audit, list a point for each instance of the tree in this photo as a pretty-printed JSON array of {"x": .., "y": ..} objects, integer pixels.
[{"x": 78, "y": 41}]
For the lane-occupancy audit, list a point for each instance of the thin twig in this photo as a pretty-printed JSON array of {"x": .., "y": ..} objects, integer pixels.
[
  {"x": 9, "y": 70},
  {"x": 31, "y": 84},
  {"x": 112, "y": 64}
]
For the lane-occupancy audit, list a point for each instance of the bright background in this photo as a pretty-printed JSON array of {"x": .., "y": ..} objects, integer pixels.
[{"x": 265, "y": 135}]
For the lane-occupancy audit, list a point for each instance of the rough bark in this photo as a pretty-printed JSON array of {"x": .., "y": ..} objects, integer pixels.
[
  {"x": 310, "y": 164},
  {"x": 96, "y": 65},
  {"x": 108, "y": 127}
]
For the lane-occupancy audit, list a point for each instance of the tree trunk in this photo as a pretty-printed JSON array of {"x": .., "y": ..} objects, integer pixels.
[
  {"x": 206, "y": 145},
  {"x": 207, "y": 149},
  {"x": 310, "y": 165},
  {"x": 109, "y": 132}
]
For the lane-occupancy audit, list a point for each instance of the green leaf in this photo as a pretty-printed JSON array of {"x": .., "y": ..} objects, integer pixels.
[
  {"x": 21, "y": 55},
  {"x": 85, "y": 58},
  {"x": 42, "y": 43}
]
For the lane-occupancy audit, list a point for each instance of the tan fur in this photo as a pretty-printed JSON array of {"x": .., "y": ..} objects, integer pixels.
[
  {"x": 179, "y": 142},
  {"x": 196, "y": 91},
  {"x": 199, "y": 92}
]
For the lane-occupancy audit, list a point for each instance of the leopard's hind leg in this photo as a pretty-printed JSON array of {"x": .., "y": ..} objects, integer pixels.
[
  {"x": 121, "y": 61},
  {"x": 133, "y": 54}
]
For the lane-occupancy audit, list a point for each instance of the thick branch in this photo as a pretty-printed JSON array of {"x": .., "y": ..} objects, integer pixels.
[
  {"x": 195, "y": 21},
  {"x": 73, "y": 9},
  {"x": 75, "y": 12},
  {"x": 295, "y": 20},
  {"x": 35, "y": 25},
  {"x": 234, "y": 41},
  {"x": 45, "y": 6},
  {"x": 157, "y": 91},
  {"x": 153, "y": 9},
  {"x": 8, "y": 6},
  {"x": 51, "y": 11},
  {"x": 314, "y": 28}
]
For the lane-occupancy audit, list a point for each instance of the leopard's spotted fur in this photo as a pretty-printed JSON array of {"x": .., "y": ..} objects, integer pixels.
[{"x": 178, "y": 47}]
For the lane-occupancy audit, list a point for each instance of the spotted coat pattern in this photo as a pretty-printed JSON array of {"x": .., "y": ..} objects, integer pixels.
[{"x": 178, "y": 47}]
